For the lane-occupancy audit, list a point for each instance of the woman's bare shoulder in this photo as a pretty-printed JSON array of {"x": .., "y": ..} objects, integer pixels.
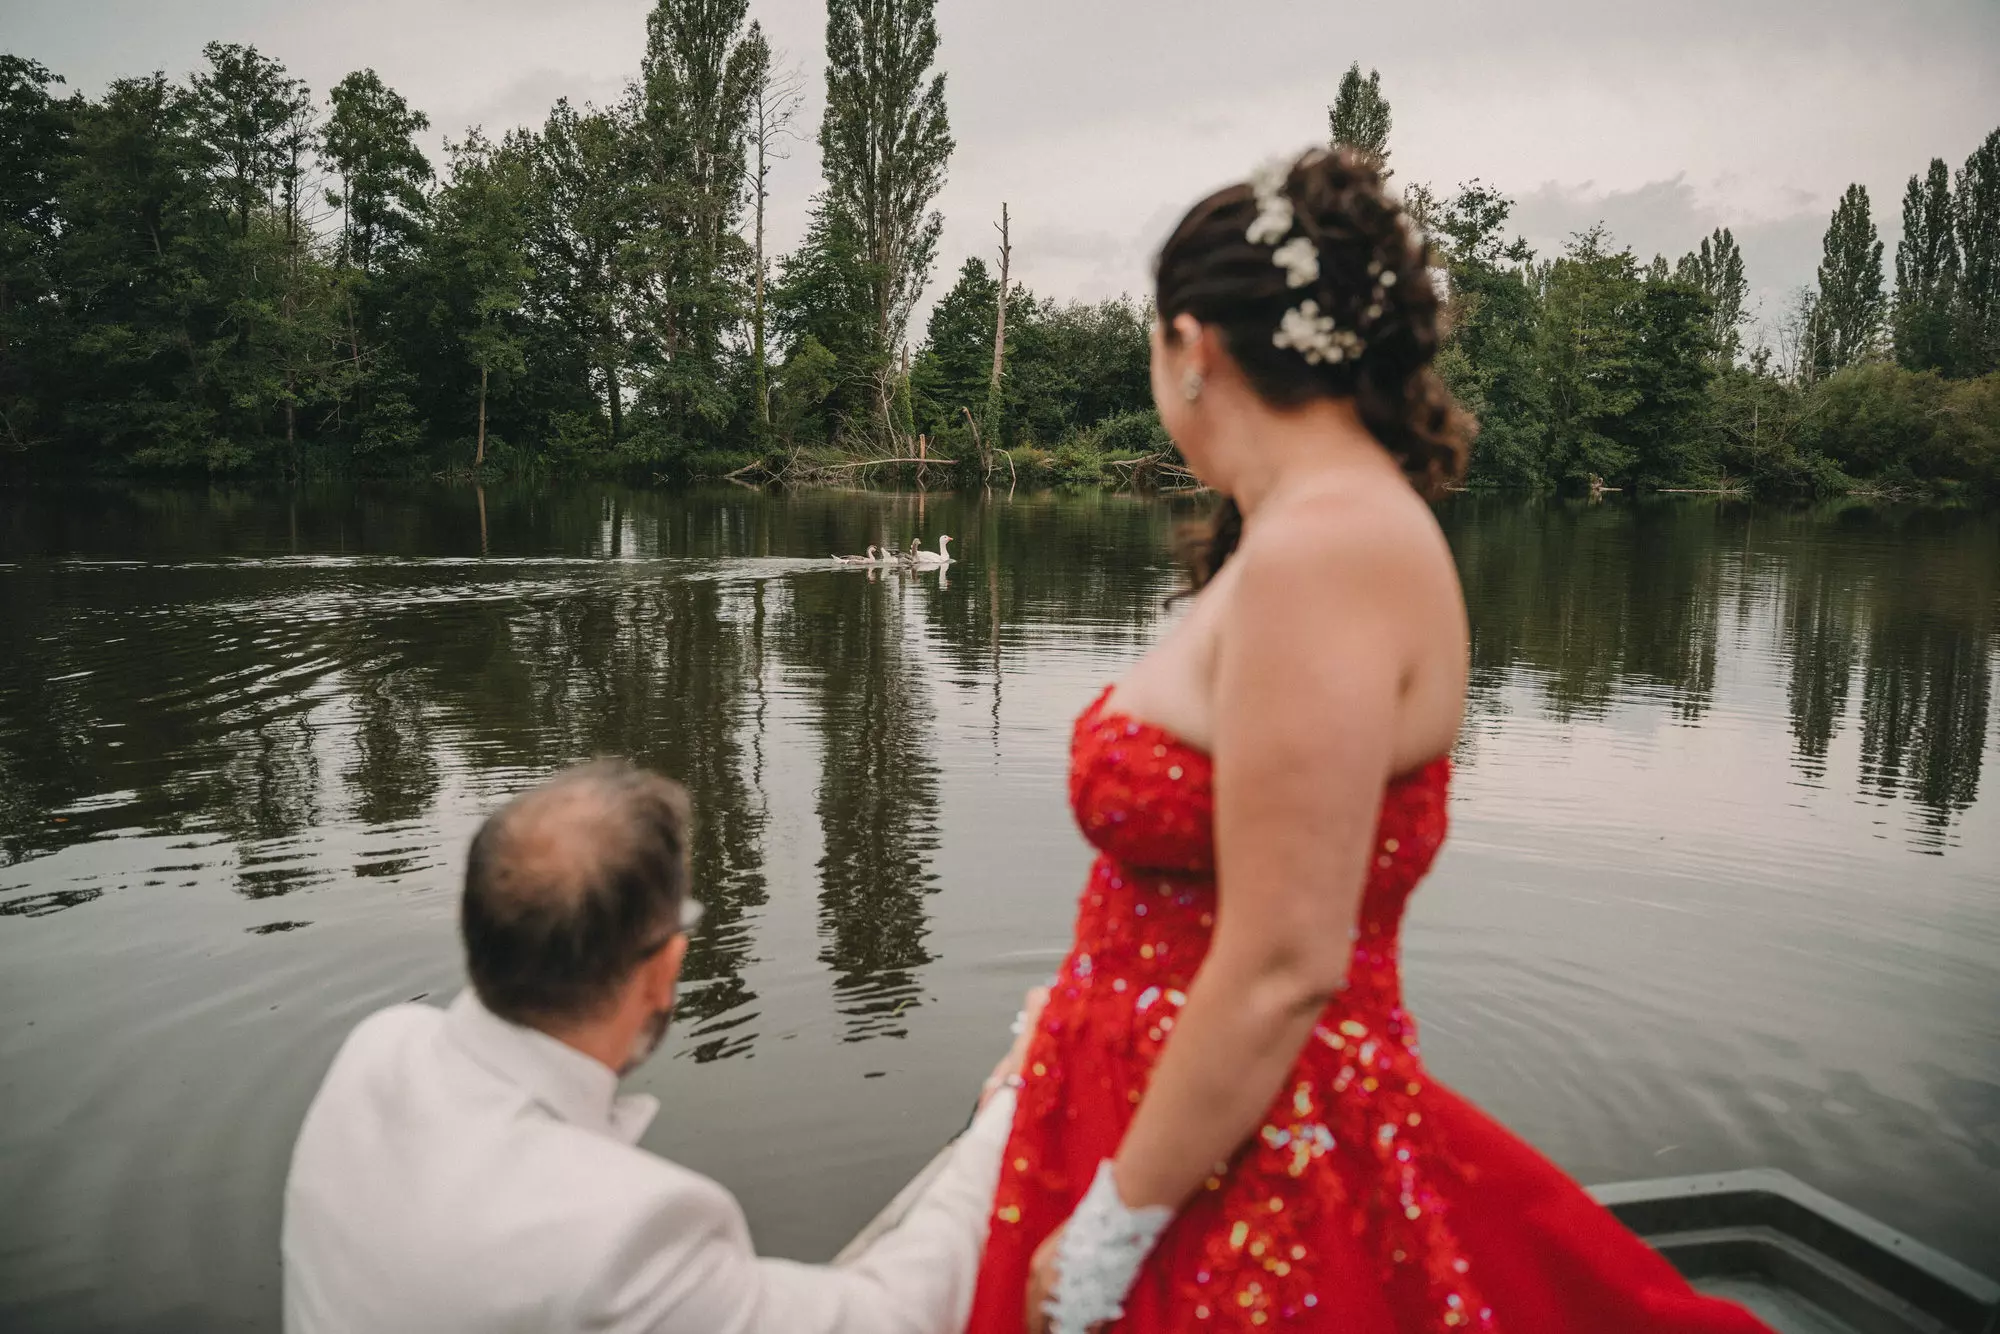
[{"x": 1346, "y": 534}]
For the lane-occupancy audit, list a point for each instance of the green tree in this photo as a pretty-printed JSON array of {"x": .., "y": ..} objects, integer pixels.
[
  {"x": 1584, "y": 353},
  {"x": 1716, "y": 270},
  {"x": 140, "y": 237},
  {"x": 35, "y": 132},
  {"x": 1847, "y": 320},
  {"x": 698, "y": 83},
  {"x": 824, "y": 298},
  {"x": 477, "y": 249},
  {"x": 1976, "y": 210},
  {"x": 885, "y": 141},
  {"x": 1359, "y": 117},
  {"x": 1672, "y": 364},
  {"x": 1075, "y": 364},
  {"x": 954, "y": 370},
  {"x": 248, "y": 106},
  {"x": 371, "y": 143},
  {"x": 1488, "y": 358},
  {"x": 584, "y": 214},
  {"x": 1926, "y": 272}
]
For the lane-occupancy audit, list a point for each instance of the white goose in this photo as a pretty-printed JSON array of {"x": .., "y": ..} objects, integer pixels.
[
  {"x": 868, "y": 559},
  {"x": 931, "y": 560}
]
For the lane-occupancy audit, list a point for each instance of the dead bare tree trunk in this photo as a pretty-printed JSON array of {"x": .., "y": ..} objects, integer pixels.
[
  {"x": 992, "y": 431},
  {"x": 773, "y": 110}
]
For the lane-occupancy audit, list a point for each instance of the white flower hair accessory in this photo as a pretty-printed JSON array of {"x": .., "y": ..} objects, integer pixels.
[
  {"x": 1299, "y": 258},
  {"x": 1274, "y": 206},
  {"x": 1312, "y": 334}
]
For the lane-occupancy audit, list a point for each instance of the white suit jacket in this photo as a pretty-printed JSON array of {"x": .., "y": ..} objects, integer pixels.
[{"x": 458, "y": 1174}]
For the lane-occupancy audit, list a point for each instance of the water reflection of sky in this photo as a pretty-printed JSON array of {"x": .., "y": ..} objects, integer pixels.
[{"x": 1720, "y": 891}]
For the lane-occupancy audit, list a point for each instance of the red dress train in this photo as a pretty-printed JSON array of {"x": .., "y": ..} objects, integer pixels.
[{"x": 1371, "y": 1200}]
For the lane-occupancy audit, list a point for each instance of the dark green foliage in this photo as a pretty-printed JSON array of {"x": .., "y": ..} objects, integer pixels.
[
  {"x": 251, "y": 117},
  {"x": 371, "y": 144},
  {"x": 1976, "y": 210},
  {"x": 1359, "y": 117},
  {"x": 1071, "y": 365},
  {"x": 1911, "y": 428},
  {"x": 35, "y": 134},
  {"x": 822, "y": 307},
  {"x": 1926, "y": 273},
  {"x": 143, "y": 241},
  {"x": 1847, "y": 320},
  {"x": 955, "y": 369},
  {"x": 1672, "y": 363}
]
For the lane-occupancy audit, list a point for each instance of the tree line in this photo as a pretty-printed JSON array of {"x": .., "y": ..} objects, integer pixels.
[
  {"x": 229, "y": 274},
  {"x": 1593, "y": 368}
]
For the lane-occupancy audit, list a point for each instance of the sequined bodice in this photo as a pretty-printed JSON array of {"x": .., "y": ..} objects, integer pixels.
[{"x": 1146, "y": 800}]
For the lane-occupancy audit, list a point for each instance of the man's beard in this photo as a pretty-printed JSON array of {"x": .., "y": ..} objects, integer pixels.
[{"x": 647, "y": 1041}]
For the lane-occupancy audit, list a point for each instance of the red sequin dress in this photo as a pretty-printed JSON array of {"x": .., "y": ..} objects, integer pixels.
[{"x": 1371, "y": 1199}]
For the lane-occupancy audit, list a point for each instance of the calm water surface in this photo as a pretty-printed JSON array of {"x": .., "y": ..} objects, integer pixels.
[{"x": 1723, "y": 889}]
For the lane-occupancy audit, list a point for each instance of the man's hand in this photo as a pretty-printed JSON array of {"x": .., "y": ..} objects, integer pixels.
[{"x": 1010, "y": 1064}]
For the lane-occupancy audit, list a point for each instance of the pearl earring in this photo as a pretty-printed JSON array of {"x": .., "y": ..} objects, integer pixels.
[{"x": 1191, "y": 386}]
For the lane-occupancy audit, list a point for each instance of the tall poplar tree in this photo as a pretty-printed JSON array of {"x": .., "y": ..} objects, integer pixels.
[
  {"x": 703, "y": 66},
  {"x": 885, "y": 142},
  {"x": 1717, "y": 270},
  {"x": 1360, "y": 117},
  {"x": 1926, "y": 272},
  {"x": 1976, "y": 210},
  {"x": 1848, "y": 316}
]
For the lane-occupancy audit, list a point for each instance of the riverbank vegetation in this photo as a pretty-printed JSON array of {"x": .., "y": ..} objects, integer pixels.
[{"x": 228, "y": 274}]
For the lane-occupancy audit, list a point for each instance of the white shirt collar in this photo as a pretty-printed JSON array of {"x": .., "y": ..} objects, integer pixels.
[{"x": 573, "y": 1087}]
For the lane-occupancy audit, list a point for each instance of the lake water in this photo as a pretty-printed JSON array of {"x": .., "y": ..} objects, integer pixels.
[{"x": 1723, "y": 888}]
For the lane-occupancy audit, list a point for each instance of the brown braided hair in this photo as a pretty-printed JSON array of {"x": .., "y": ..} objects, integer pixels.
[{"x": 1208, "y": 269}]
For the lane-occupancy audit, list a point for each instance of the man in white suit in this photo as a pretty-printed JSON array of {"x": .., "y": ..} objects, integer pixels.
[{"x": 474, "y": 1171}]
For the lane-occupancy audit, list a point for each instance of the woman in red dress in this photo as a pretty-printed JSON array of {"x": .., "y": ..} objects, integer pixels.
[{"x": 1225, "y": 1124}]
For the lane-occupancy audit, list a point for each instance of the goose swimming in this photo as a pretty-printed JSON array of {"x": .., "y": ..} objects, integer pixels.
[
  {"x": 931, "y": 560},
  {"x": 868, "y": 559}
]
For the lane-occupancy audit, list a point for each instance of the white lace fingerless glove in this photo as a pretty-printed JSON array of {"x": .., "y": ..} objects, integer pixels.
[{"x": 1102, "y": 1248}]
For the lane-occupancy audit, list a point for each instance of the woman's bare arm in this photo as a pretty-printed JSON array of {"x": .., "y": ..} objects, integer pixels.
[{"x": 1309, "y": 672}]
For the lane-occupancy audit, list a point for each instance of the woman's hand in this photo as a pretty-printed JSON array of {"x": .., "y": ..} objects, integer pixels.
[
  {"x": 1042, "y": 1282},
  {"x": 1010, "y": 1064}
]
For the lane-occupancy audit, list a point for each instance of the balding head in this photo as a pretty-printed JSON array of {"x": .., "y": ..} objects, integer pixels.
[{"x": 570, "y": 886}]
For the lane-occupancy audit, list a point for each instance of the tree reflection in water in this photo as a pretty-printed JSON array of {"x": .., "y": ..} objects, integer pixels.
[
  {"x": 878, "y": 794},
  {"x": 271, "y": 673}
]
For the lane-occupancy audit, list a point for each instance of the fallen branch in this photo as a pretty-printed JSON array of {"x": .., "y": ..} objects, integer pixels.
[{"x": 869, "y": 463}]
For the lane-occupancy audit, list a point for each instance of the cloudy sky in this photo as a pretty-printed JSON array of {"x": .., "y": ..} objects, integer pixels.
[{"x": 1099, "y": 120}]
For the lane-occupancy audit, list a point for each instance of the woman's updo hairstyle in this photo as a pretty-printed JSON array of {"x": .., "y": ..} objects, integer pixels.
[{"x": 1373, "y": 283}]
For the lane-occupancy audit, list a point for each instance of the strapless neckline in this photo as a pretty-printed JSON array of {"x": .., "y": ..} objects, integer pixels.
[{"x": 1097, "y": 712}]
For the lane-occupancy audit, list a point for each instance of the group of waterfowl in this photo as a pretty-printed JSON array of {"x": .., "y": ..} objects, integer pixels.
[{"x": 915, "y": 558}]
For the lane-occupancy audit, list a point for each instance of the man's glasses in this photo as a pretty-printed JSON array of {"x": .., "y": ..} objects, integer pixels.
[{"x": 691, "y": 912}]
